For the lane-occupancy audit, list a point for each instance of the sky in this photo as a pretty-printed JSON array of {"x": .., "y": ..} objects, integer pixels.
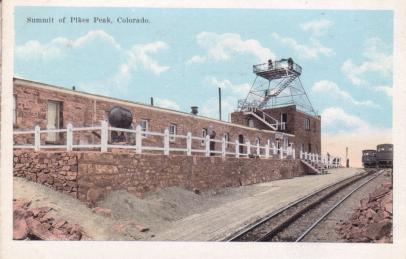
[{"x": 181, "y": 56}]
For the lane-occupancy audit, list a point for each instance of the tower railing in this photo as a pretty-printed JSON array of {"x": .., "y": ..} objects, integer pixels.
[{"x": 275, "y": 65}]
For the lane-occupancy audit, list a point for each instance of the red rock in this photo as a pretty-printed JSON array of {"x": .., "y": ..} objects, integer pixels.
[
  {"x": 389, "y": 207},
  {"x": 102, "y": 211},
  {"x": 40, "y": 230},
  {"x": 141, "y": 228},
  {"x": 24, "y": 204},
  {"x": 59, "y": 223},
  {"x": 387, "y": 185},
  {"x": 20, "y": 229},
  {"x": 95, "y": 194},
  {"x": 364, "y": 203},
  {"x": 378, "y": 230},
  {"x": 370, "y": 213}
]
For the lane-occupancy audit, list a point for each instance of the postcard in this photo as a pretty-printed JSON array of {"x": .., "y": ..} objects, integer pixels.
[{"x": 186, "y": 130}]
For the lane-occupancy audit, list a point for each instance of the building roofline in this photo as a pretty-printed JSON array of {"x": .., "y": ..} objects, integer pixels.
[{"x": 130, "y": 103}]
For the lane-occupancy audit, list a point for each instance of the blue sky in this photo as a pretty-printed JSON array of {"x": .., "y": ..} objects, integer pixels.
[{"x": 183, "y": 55}]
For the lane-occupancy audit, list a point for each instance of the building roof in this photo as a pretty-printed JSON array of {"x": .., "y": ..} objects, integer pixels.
[{"x": 128, "y": 102}]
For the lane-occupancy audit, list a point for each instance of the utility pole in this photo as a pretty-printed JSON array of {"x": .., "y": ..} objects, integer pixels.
[
  {"x": 220, "y": 103},
  {"x": 347, "y": 161}
]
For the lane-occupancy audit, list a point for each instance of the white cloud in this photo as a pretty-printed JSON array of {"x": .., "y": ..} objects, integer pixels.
[
  {"x": 223, "y": 46},
  {"x": 335, "y": 117},
  {"x": 312, "y": 51},
  {"x": 333, "y": 89},
  {"x": 384, "y": 89},
  {"x": 167, "y": 103},
  {"x": 196, "y": 59},
  {"x": 237, "y": 90},
  {"x": 58, "y": 47},
  {"x": 140, "y": 54},
  {"x": 353, "y": 132},
  {"x": 317, "y": 27},
  {"x": 377, "y": 59}
]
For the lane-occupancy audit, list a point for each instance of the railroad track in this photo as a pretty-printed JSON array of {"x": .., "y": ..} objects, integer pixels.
[{"x": 294, "y": 221}]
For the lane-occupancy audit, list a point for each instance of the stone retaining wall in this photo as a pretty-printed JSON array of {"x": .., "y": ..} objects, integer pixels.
[
  {"x": 58, "y": 170},
  {"x": 88, "y": 176}
]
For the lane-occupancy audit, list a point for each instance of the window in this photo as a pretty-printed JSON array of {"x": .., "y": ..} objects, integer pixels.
[
  {"x": 204, "y": 134},
  {"x": 302, "y": 147},
  {"x": 14, "y": 109},
  {"x": 53, "y": 119},
  {"x": 251, "y": 123},
  {"x": 284, "y": 121},
  {"x": 172, "y": 131},
  {"x": 314, "y": 126},
  {"x": 257, "y": 141},
  {"x": 310, "y": 148},
  {"x": 307, "y": 124},
  {"x": 144, "y": 126},
  {"x": 227, "y": 138}
]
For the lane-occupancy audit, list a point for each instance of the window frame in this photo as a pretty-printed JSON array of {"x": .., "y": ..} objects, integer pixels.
[
  {"x": 175, "y": 127},
  {"x": 307, "y": 124},
  {"x": 203, "y": 134},
  {"x": 226, "y": 136},
  {"x": 146, "y": 126},
  {"x": 251, "y": 121}
]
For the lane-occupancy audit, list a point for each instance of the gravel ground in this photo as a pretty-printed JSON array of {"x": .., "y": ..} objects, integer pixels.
[
  {"x": 175, "y": 213},
  {"x": 325, "y": 231}
]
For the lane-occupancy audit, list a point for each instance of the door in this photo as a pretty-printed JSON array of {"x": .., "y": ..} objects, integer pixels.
[
  {"x": 53, "y": 119},
  {"x": 241, "y": 141}
]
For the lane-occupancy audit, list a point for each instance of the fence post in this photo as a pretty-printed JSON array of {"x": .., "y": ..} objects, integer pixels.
[
  {"x": 189, "y": 143},
  {"x": 138, "y": 139},
  {"x": 293, "y": 153},
  {"x": 69, "y": 137},
  {"x": 104, "y": 136},
  {"x": 223, "y": 147},
  {"x": 248, "y": 148},
  {"x": 267, "y": 149},
  {"x": 207, "y": 142},
  {"x": 281, "y": 152},
  {"x": 274, "y": 148},
  {"x": 37, "y": 138},
  {"x": 258, "y": 150},
  {"x": 166, "y": 141},
  {"x": 237, "y": 149}
]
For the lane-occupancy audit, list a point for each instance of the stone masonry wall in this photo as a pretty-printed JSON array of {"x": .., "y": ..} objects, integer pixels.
[
  {"x": 295, "y": 125},
  {"x": 88, "y": 176},
  {"x": 84, "y": 110},
  {"x": 58, "y": 170}
]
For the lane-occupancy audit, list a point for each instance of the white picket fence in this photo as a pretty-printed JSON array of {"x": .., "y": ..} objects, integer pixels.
[
  {"x": 264, "y": 151},
  {"x": 328, "y": 161}
]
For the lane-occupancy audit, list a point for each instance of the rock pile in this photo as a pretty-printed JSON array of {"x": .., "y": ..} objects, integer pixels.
[
  {"x": 372, "y": 221},
  {"x": 38, "y": 224}
]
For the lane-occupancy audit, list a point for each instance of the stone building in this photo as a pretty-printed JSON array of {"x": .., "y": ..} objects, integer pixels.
[{"x": 54, "y": 107}]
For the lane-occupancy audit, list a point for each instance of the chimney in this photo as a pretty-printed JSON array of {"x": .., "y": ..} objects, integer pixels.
[{"x": 194, "y": 110}]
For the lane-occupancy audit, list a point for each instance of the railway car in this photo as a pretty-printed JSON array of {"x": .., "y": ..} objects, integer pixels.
[
  {"x": 384, "y": 155},
  {"x": 369, "y": 158}
]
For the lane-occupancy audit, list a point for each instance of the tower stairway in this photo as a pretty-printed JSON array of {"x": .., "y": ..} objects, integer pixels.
[
  {"x": 278, "y": 89},
  {"x": 263, "y": 117}
]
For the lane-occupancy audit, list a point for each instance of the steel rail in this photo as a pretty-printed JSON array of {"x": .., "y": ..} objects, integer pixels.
[
  {"x": 288, "y": 206},
  {"x": 306, "y": 232}
]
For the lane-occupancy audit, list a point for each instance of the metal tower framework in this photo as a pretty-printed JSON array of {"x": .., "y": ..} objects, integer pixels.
[{"x": 277, "y": 84}]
